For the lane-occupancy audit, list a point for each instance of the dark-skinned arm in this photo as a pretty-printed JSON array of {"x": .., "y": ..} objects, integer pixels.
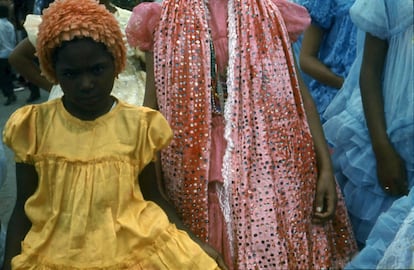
[
  {"x": 19, "y": 224},
  {"x": 150, "y": 185},
  {"x": 150, "y": 98},
  {"x": 390, "y": 166},
  {"x": 23, "y": 60},
  {"x": 326, "y": 196},
  {"x": 309, "y": 61}
]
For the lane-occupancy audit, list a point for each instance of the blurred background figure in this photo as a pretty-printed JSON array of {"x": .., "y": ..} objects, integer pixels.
[
  {"x": 328, "y": 48},
  {"x": 21, "y": 8},
  {"x": 370, "y": 123},
  {"x": 7, "y": 44},
  {"x": 129, "y": 86},
  {"x": 39, "y": 5}
]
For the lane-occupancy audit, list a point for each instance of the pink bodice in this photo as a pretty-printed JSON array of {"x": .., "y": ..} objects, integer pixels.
[{"x": 145, "y": 18}]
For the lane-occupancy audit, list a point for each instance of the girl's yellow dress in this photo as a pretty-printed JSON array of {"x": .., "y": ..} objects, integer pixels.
[{"x": 88, "y": 211}]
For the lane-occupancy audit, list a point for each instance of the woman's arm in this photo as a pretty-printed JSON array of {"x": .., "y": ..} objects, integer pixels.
[
  {"x": 152, "y": 190},
  {"x": 326, "y": 197},
  {"x": 23, "y": 60},
  {"x": 390, "y": 166},
  {"x": 150, "y": 98},
  {"x": 309, "y": 61},
  {"x": 19, "y": 224}
]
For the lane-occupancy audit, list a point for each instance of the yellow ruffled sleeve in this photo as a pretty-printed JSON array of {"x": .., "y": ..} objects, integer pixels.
[
  {"x": 158, "y": 135},
  {"x": 19, "y": 134}
]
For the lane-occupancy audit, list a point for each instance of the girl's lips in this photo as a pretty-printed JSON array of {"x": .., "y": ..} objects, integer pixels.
[{"x": 89, "y": 100}]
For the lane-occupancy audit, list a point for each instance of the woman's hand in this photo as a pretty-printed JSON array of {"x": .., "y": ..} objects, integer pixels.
[
  {"x": 391, "y": 171},
  {"x": 326, "y": 198}
]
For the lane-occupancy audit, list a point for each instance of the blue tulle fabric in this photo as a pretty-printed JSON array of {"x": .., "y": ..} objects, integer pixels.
[
  {"x": 346, "y": 129},
  {"x": 390, "y": 244},
  {"x": 39, "y": 5},
  {"x": 337, "y": 49}
]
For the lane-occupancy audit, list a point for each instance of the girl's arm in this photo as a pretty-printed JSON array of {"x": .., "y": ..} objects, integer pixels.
[
  {"x": 151, "y": 179},
  {"x": 326, "y": 197},
  {"x": 390, "y": 166},
  {"x": 151, "y": 188},
  {"x": 23, "y": 60},
  {"x": 150, "y": 98},
  {"x": 19, "y": 224},
  {"x": 309, "y": 61}
]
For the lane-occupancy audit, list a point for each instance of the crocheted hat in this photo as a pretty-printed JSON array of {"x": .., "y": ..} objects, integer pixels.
[{"x": 65, "y": 20}]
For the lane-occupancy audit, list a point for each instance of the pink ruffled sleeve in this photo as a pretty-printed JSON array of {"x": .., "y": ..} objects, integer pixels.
[
  {"x": 141, "y": 25},
  {"x": 296, "y": 18}
]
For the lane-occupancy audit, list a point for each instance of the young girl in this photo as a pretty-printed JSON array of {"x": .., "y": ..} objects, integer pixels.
[
  {"x": 129, "y": 85},
  {"x": 328, "y": 48},
  {"x": 7, "y": 43},
  {"x": 248, "y": 167},
  {"x": 371, "y": 122},
  {"x": 78, "y": 159}
]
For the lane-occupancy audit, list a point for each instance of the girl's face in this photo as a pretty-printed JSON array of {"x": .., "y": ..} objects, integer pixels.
[{"x": 86, "y": 72}]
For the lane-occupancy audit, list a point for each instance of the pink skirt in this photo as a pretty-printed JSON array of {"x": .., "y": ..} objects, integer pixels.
[{"x": 217, "y": 236}]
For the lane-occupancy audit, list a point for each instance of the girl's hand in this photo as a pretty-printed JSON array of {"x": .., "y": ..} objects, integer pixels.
[
  {"x": 214, "y": 254},
  {"x": 326, "y": 198},
  {"x": 391, "y": 171}
]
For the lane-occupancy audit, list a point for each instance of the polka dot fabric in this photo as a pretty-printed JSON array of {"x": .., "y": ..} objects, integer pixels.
[
  {"x": 269, "y": 167},
  {"x": 273, "y": 173},
  {"x": 182, "y": 74}
]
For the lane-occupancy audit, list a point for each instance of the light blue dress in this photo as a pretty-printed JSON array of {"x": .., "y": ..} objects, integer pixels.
[
  {"x": 346, "y": 129},
  {"x": 390, "y": 244},
  {"x": 338, "y": 47}
]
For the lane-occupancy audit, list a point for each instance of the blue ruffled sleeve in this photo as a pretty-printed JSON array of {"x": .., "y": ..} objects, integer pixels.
[
  {"x": 371, "y": 16},
  {"x": 321, "y": 11},
  {"x": 376, "y": 17}
]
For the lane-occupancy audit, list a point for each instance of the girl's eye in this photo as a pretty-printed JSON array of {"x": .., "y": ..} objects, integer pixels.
[
  {"x": 99, "y": 69},
  {"x": 68, "y": 74}
]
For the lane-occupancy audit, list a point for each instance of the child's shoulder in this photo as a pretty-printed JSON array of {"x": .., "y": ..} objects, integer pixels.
[
  {"x": 142, "y": 113},
  {"x": 31, "y": 111},
  {"x": 138, "y": 109}
]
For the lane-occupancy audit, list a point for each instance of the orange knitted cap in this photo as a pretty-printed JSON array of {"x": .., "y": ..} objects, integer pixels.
[{"x": 65, "y": 20}]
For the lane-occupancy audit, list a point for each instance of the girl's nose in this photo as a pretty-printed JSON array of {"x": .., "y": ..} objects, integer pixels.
[{"x": 86, "y": 82}]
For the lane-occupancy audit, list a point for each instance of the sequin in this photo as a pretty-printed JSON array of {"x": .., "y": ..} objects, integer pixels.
[{"x": 269, "y": 167}]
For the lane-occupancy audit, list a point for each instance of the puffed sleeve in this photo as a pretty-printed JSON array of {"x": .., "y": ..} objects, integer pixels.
[
  {"x": 322, "y": 12},
  {"x": 31, "y": 25},
  {"x": 158, "y": 135},
  {"x": 296, "y": 18},
  {"x": 141, "y": 25},
  {"x": 20, "y": 134},
  {"x": 375, "y": 21}
]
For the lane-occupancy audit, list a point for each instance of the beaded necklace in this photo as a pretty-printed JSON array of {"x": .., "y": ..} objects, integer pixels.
[{"x": 218, "y": 89}]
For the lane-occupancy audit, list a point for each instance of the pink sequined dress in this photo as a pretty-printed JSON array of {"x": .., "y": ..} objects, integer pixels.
[{"x": 243, "y": 175}]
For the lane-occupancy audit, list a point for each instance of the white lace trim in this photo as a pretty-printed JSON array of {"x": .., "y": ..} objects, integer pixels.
[{"x": 225, "y": 194}]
